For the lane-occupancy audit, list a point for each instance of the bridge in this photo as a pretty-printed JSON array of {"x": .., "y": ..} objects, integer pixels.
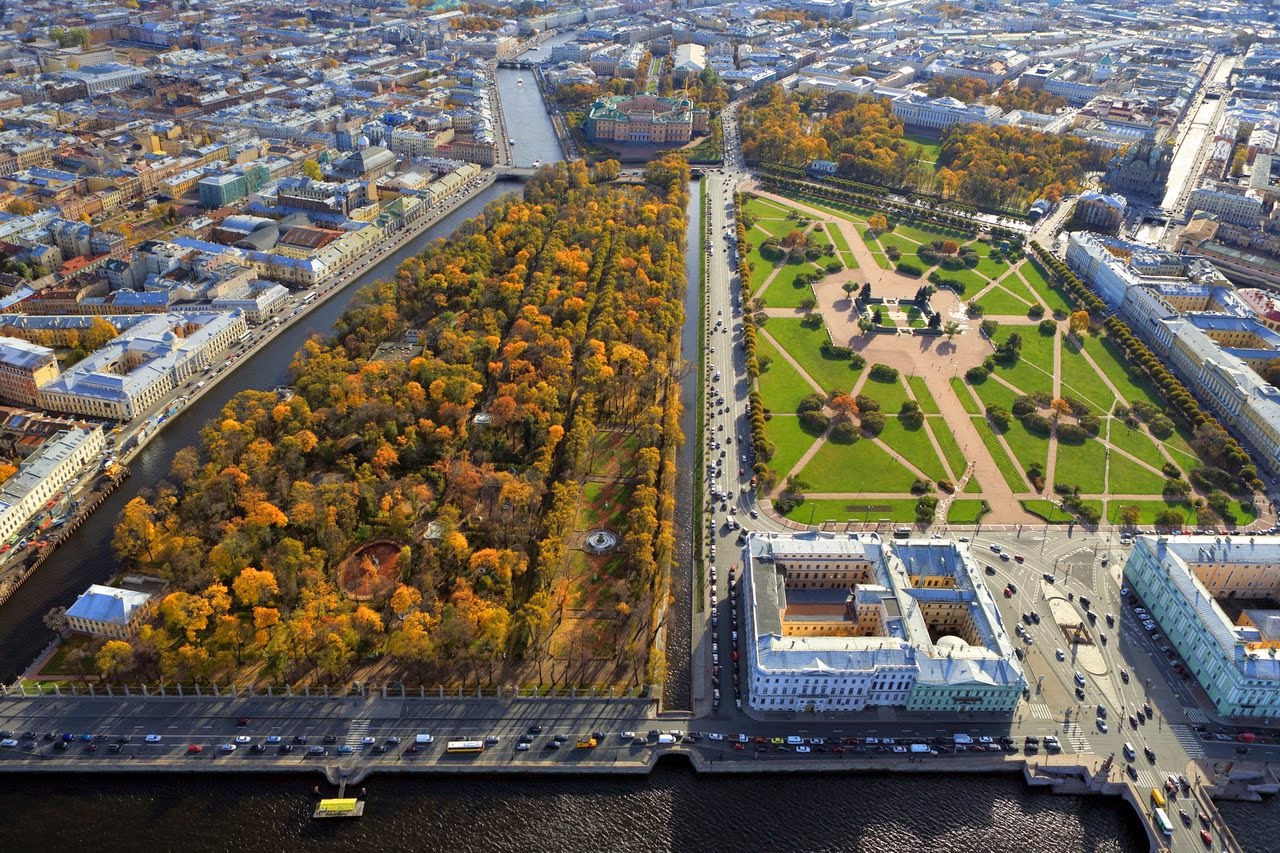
[
  {"x": 513, "y": 173},
  {"x": 517, "y": 63}
]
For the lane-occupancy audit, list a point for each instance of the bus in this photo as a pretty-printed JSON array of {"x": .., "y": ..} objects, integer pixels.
[
  {"x": 312, "y": 295},
  {"x": 464, "y": 747},
  {"x": 1157, "y": 798},
  {"x": 1162, "y": 821}
]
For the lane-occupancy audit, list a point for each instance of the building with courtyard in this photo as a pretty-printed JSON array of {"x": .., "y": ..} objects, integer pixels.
[
  {"x": 1217, "y": 601},
  {"x": 841, "y": 622},
  {"x": 644, "y": 119}
]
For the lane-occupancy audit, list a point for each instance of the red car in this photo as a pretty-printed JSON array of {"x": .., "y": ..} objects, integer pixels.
[
  {"x": 1008, "y": 593},
  {"x": 195, "y": 749}
]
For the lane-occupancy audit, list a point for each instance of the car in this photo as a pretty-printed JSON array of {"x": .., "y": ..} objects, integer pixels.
[
  {"x": 552, "y": 744},
  {"x": 115, "y": 747},
  {"x": 991, "y": 570},
  {"x": 522, "y": 747},
  {"x": 1004, "y": 558},
  {"x": 368, "y": 740},
  {"x": 195, "y": 749},
  {"x": 8, "y": 743},
  {"x": 330, "y": 738},
  {"x": 1146, "y": 709},
  {"x": 393, "y": 740},
  {"x": 1012, "y": 587},
  {"x": 491, "y": 740},
  {"x": 534, "y": 730},
  {"x": 273, "y": 739},
  {"x": 243, "y": 721},
  {"x": 715, "y": 736},
  {"x": 243, "y": 739},
  {"x": 1102, "y": 711},
  {"x": 1079, "y": 677},
  {"x": 120, "y": 739},
  {"x": 1080, "y": 693},
  {"x": 285, "y": 749},
  {"x": 258, "y": 748},
  {"x": 1019, "y": 558},
  {"x": 154, "y": 738},
  {"x": 345, "y": 749},
  {"x": 803, "y": 749},
  {"x": 1124, "y": 676},
  {"x": 60, "y": 745},
  {"x": 316, "y": 750},
  {"x": 227, "y": 747},
  {"x": 1149, "y": 753},
  {"x": 1059, "y": 654},
  {"x": 411, "y": 749},
  {"x": 1020, "y": 654},
  {"x": 1102, "y": 725},
  {"x": 301, "y": 739}
]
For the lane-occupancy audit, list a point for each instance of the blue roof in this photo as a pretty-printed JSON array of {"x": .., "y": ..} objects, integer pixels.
[{"x": 108, "y": 604}]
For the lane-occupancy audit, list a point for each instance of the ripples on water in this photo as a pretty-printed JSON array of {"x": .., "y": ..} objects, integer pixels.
[{"x": 671, "y": 810}]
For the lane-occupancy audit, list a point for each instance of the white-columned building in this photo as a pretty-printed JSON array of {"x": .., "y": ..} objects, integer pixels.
[
  {"x": 58, "y": 461},
  {"x": 843, "y": 622}
]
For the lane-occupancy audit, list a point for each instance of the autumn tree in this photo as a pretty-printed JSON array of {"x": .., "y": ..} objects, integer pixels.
[
  {"x": 878, "y": 223},
  {"x": 311, "y": 169},
  {"x": 1079, "y": 322},
  {"x": 114, "y": 657},
  {"x": 252, "y": 585}
]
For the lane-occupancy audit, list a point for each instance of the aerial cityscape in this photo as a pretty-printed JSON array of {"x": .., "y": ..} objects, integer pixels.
[{"x": 692, "y": 408}]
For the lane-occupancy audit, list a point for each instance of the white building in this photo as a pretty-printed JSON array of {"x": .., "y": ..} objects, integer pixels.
[
  {"x": 134, "y": 371},
  {"x": 106, "y": 611},
  {"x": 58, "y": 461},
  {"x": 843, "y": 622},
  {"x": 1230, "y": 203},
  {"x": 917, "y": 110}
]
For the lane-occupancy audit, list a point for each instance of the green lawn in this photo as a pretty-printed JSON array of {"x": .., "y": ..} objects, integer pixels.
[
  {"x": 790, "y": 442},
  {"x": 1010, "y": 281},
  {"x": 1034, "y": 275},
  {"x": 1130, "y": 478},
  {"x": 995, "y": 393},
  {"x": 914, "y": 318},
  {"x": 804, "y": 346},
  {"x": 914, "y": 446},
  {"x": 854, "y": 509},
  {"x": 1051, "y": 512},
  {"x": 1135, "y": 441},
  {"x": 921, "y": 392},
  {"x": 906, "y": 246},
  {"x": 1149, "y": 509},
  {"x": 961, "y": 388},
  {"x": 925, "y": 234},
  {"x": 859, "y": 467},
  {"x": 1034, "y": 371},
  {"x": 972, "y": 486},
  {"x": 998, "y": 301},
  {"x": 785, "y": 292},
  {"x": 592, "y": 512},
  {"x": 1029, "y": 448},
  {"x": 1081, "y": 465},
  {"x": 1110, "y": 360},
  {"x": 926, "y": 148},
  {"x": 890, "y": 395},
  {"x": 974, "y": 280},
  {"x": 992, "y": 269},
  {"x": 842, "y": 246},
  {"x": 950, "y": 448},
  {"x": 964, "y": 512},
  {"x": 881, "y": 259},
  {"x": 848, "y": 212},
  {"x": 781, "y": 386},
  {"x": 760, "y": 268},
  {"x": 1007, "y": 469},
  {"x": 1081, "y": 381}
]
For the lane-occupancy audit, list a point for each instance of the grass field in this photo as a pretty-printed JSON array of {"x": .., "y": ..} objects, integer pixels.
[
  {"x": 1082, "y": 466},
  {"x": 996, "y": 393},
  {"x": 1129, "y": 478},
  {"x": 961, "y": 389},
  {"x": 1110, "y": 360},
  {"x": 1149, "y": 509},
  {"x": 804, "y": 346},
  {"x": 1081, "y": 381},
  {"x": 784, "y": 291},
  {"x": 1007, "y": 469},
  {"x": 998, "y": 301},
  {"x": 992, "y": 269},
  {"x": 921, "y": 392},
  {"x": 915, "y": 447},
  {"x": 781, "y": 387},
  {"x": 964, "y": 512},
  {"x": 842, "y": 246},
  {"x": 790, "y": 442},
  {"x": 1051, "y": 512},
  {"x": 950, "y": 448},
  {"x": 1135, "y": 441},
  {"x": 859, "y": 467},
  {"x": 854, "y": 509},
  {"x": 926, "y": 148},
  {"x": 890, "y": 395},
  {"x": 1054, "y": 297},
  {"x": 1028, "y": 448},
  {"x": 1034, "y": 371}
]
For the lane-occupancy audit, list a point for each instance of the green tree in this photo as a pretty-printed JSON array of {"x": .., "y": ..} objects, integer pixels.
[{"x": 311, "y": 169}]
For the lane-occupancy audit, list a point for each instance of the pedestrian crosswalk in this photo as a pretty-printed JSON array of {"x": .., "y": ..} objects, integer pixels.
[
  {"x": 1149, "y": 779},
  {"x": 1074, "y": 736},
  {"x": 1189, "y": 739},
  {"x": 1041, "y": 711},
  {"x": 1196, "y": 716},
  {"x": 357, "y": 730}
]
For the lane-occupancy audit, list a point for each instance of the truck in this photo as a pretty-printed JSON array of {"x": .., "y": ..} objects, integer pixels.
[{"x": 666, "y": 740}]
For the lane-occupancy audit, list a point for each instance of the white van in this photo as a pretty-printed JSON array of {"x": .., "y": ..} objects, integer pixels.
[
  {"x": 961, "y": 738},
  {"x": 666, "y": 740},
  {"x": 920, "y": 747},
  {"x": 1129, "y": 752},
  {"x": 793, "y": 740},
  {"x": 423, "y": 739}
]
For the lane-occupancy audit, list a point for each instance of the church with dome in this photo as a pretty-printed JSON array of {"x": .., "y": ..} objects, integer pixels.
[{"x": 843, "y": 622}]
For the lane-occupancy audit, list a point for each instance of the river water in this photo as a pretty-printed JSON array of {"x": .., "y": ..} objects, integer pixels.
[{"x": 669, "y": 810}]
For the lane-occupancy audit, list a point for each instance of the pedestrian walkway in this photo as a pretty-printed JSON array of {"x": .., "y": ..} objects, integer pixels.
[
  {"x": 1149, "y": 779},
  {"x": 1041, "y": 711},
  {"x": 1073, "y": 735},
  {"x": 1196, "y": 717},
  {"x": 1190, "y": 741},
  {"x": 356, "y": 731}
]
